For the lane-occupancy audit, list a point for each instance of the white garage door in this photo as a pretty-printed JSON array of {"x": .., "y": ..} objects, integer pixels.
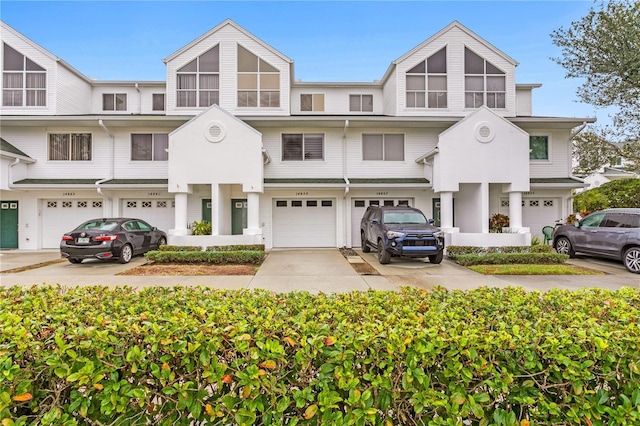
[
  {"x": 359, "y": 206},
  {"x": 158, "y": 213},
  {"x": 304, "y": 223},
  {"x": 61, "y": 216},
  {"x": 539, "y": 212}
]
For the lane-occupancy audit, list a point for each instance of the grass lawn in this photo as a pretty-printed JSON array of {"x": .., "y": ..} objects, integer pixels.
[{"x": 533, "y": 270}]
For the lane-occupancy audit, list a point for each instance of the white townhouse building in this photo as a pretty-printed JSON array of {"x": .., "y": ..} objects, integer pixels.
[{"x": 233, "y": 138}]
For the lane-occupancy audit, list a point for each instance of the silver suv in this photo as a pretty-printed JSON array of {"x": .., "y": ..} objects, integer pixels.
[{"x": 611, "y": 233}]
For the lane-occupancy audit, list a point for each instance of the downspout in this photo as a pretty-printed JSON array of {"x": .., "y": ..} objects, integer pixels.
[
  {"x": 139, "y": 99},
  {"x": 346, "y": 179},
  {"x": 15, "y": 163},
  {"x": 112, "y": 167}
]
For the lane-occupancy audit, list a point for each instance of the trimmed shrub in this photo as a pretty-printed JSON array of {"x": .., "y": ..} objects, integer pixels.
[
  {"x": 179, "y": 248},
  {"x": 541, "y": 248},
  {"x": 187, "y": 356},
  {"x": 213, "y": 257},
  {"x": 237, "y": 247},
  {"x": 512, "y": 259}
]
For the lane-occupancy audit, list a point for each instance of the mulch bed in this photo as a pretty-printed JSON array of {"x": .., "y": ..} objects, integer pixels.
[{"x": 191, "y": 270}]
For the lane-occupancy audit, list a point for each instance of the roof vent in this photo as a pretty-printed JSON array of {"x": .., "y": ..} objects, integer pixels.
[
  {"x": 214, "y": 131},
  {"x": 484, "y": 132}
]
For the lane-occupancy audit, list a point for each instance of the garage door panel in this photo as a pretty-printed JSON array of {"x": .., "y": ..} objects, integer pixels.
[
  {"x": 539, "y": 212},
  {"x": 157, "y": 212},
  {"x": 304, "y": 223},
  {"x": 61, "y": 216}
]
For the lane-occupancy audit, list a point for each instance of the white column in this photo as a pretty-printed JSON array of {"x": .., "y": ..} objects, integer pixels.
[
  {"x": 515, "y": 210},
  {"x": 484, "y": 202},
  {"x": 253, "y": 214},
  {"x": 446, "y": 210},
  {"x": 181, "y": 214}
]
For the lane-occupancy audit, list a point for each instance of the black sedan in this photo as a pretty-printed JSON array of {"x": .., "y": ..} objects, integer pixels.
[{"x": 116, "y": 238}]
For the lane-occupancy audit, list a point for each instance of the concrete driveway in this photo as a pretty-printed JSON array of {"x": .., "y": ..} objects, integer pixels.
[{"x": 313, "y": 270}]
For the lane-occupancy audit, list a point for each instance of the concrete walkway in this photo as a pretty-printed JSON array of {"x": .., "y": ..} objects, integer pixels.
[{"x": 312, "y": 270}]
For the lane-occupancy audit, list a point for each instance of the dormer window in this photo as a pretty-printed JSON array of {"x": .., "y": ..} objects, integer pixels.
[
  {"x": 484, "y": 83},
  {"x": 258, "y": 81},
  {"x": 24, "y": 83},
  {"x": 198, "y": 82},
  {"x": 427, "y": 81}
]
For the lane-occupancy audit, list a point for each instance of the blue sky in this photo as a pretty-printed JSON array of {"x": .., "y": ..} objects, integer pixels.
[{"x": 327, "y": 40}]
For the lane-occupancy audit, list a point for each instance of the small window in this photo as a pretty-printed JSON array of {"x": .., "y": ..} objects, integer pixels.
[
  {"x": 296, "y": 203},
  {"x": 96, "y": 204},
  {"x": 70, "y": 147},
  {"x": 149, "y": 147},
  {"x": 161, "y": 204},
  {"x": 312, "y": 203},
  {"x": 403, "y": 202},
  {"x": 52, "y": 204},
  {"x": 299, "y": 147},
  {"x": 312, "y": 102},
  {"x": 327, "y": 203},
  {"x": 67, "y": 204},
  {"x": 538, "y": 147},
  {"x": 82, "y": 204},
  {"x": 114, "y": 101},
  {"x": 374, "y": 203},
  {"x": 358, "y": 203},
  {"x": 388, "y": 203},
  {"x": 146, "y": 204},
  {"x": 281, "y": 203},
  {"x": 383, "y": 147},
  {"x": 158, "y": 102},
  {"x": 132, "y": 204},
  {"x": 361, "y": 103}
]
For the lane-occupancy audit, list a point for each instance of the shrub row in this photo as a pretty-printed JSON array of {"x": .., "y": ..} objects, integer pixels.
[
  {"x": 213, "y": 257},
  {"x": 454, "y": 251},
  {"x": 512, "y": 259},
  {"x": 235, "y": 247},
  {"x": 193, "y": 356}
]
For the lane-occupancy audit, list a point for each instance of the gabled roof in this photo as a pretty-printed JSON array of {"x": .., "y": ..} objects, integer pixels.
[
  {"x": 9, "y": 150},
  {"x": 454, "y": 24},
  {"x": 44, "y": 51},
  {"x": 216, "y": 29}
]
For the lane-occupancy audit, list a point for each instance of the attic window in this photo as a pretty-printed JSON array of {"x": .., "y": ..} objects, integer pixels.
[
  {"x": 428, "y": 78},
  {"x": 24, "y": 82},
  {"x": 198, "y": 82},
  {"x": 484, "y": 83},
  {"x": 258, "y": 81}
]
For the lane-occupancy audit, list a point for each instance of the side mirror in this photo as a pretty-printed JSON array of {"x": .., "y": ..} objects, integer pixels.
[
  {"x": 154, "y": 228},
  {"x": 431, "y": 221},
  {"x": 375, "y": 221},
  {"x": 576, "y": 224}
]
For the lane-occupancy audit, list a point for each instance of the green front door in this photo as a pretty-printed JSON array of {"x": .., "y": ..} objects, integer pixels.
[
  {"x": 238, "y": 216},
  {"x": 8, "y": 224},
  {"x": 206, "y": 210}
]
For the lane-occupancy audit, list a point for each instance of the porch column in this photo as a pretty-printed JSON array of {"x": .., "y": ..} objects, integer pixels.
[
  {"x": 446, "y": 210},
  {"x": 515, "y": 210},
  {"x": 253, "y": 214},
  {"x": 181, "y": 214}
]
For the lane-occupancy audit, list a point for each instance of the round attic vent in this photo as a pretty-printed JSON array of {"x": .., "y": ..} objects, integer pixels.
[
  {"x": 214, "y": 131},
  {"x": 484, "y": 132}
]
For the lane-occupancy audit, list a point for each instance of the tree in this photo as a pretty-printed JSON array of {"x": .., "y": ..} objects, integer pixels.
[{"x": 604, "y": 49}]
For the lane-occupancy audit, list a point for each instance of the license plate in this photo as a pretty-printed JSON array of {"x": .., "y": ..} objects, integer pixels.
[{"x": 83, "y": 240}]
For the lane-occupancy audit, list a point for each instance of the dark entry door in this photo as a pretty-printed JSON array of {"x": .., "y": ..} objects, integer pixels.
[
  {"x": 206, "y": 210},
  {"x": 436, "y": 211},
  {"x": 8, "y": 224},
  {"x": 238, "y": 216}
]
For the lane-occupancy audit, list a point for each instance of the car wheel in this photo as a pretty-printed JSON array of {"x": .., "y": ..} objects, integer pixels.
[
  {"x": 563, "y": 246},
  {"x": 384, "y": 257},
  {"x": 75, "y": 260},
  {"x": 631, "y": 260},
  {"x": 365, "y": 243},
  {"x": 436, "y": 258},
  {"x": 126, "y": 254},
  {"x": 162, "y": 241}
]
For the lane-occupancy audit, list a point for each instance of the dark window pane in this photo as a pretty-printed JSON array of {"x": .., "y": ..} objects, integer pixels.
[
  {"x": 158, "y": 101},
  {"x": 141, "y": 147},
  {"x": 312, "y": 203},
  {"x": 473, "y": 64},
  {"x": 437, "y": 63},
  {"x": 538, "y": 147},
  {"x": 209, "y": 61},
  {"x": 329, "y": 203},
  {"x": 281, "y": 203},
  {"x": 296, "y": 203},
  {"x": 313, "y": 147},
  {"x": 418, "y": 69},
  {"x": 13, "y": 60},
  {"x": 292, "y": 147},
  {"x": 358, "y": 203},
  {"x": 108, "y": 102}
]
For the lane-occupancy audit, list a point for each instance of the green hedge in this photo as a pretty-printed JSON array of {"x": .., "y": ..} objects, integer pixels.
[
  {"x": 214, "y": 257},
  {"x": 179, "y": 248},
  {"x": 237, "y": 247},
  {"x": 193, "y": 356},
  {"x": 511, "y": 259},
  {"x": 454, "y": 251}
]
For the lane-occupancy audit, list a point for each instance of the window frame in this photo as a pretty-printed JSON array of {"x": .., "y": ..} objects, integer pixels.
[
  {"x": 540, "y": 160},
  {"x": 153, "y": 101},
  {"x": 23, "y": 91},
  {"x": 69, "y": 148},
  {"x": 484, "y": 94},
  {"x": 360, "y": 97},
  {"x": 152, "y": 148},
  {"x": 422, "y": 97},
  {"x": 115, "y": 97},
  {"x": 315, "y": 97},
  {"x": 260, "y": 94},
  {"x": 197, "y": 91},
  {"x": 302, "y": 147},
  {"x": 384, "y": 150}
]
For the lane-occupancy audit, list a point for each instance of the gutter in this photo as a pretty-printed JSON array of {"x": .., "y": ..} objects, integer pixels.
[
  {"x": 346, "y": 181},
  {"x": 112, "y": 167},
  {"x": 424, "y": 158},
  {"x": 139, "y": 98},
  {"x": 581, "y": 128},
  {"x": 266, "y": 156}
]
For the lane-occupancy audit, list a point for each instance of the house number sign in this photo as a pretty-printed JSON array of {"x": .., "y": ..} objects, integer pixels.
[
  {"x": 382, "y": 193},
  {"x": 151, "y": 194},
  {"x": 68, "y": 194},
  {"x": 302, "y": 193}
]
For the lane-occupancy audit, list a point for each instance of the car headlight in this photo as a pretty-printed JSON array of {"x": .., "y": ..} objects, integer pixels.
[
  {"x": 394, "y": 234},
  {"x": 438, "y": 234}
]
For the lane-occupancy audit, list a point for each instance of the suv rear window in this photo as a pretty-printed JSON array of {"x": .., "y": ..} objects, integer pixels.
[{"x": 620, "y": 220}]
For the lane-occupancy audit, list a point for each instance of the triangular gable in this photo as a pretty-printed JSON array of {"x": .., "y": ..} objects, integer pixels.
[
  {"x": 218, "y": 28},
  {"x": 473, "y": 117}
]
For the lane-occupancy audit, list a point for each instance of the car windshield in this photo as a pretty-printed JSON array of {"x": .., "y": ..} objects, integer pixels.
[
  {"x": 413, "y": 218},
  {"x": 99, "y": 225}
]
